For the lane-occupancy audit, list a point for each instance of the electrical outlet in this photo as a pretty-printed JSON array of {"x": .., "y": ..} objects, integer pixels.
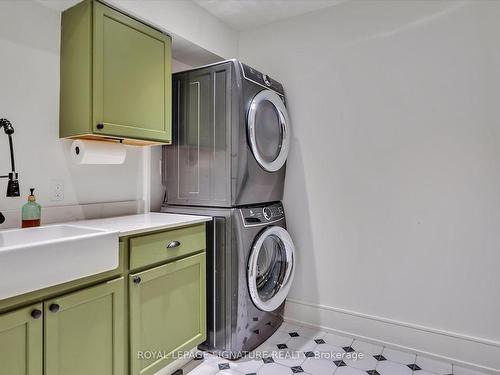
[{"x": 57, "y": 190}]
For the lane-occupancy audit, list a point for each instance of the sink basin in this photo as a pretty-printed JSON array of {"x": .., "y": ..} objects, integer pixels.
[{"x": 37, "y": 258}]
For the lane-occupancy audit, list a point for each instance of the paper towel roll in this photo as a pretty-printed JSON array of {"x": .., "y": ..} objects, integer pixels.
[{"x": 97, "y": 152}]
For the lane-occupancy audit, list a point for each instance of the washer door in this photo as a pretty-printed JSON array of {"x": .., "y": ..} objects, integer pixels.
[
  {"x": 271, "y": 268},
  {"x": 269, "y": 130}
]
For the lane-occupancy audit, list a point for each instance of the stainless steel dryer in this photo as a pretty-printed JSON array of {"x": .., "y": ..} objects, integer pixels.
[
  {"x": 250, "y": 268},
  {"x": 231, "y": 137}
]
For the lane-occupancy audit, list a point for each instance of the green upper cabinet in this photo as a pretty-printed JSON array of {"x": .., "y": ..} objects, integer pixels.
[
  {"x": 115, "y": 77},
  {"x": 21, "y": 341},
  {"x": 84, "y": 331},
  {"x": 167, "y": 313}
]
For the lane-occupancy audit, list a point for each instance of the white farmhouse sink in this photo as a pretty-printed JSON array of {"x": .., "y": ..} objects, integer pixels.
[{"x": 36, "y": 258}]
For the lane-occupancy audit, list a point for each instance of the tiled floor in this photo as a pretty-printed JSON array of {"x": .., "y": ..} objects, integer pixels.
[{"x": 294, "y": 349}]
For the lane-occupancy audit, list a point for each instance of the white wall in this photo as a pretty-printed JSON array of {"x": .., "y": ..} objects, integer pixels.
[
  {"x": 393, "y": 182},
  {"x": 187, "y": 20},
  {"x": 179, "y": 66},
  {"x": 29, "y": 98}
]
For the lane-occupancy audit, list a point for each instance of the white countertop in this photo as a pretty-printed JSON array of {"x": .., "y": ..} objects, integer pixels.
[{"x": 140, "y": 223}]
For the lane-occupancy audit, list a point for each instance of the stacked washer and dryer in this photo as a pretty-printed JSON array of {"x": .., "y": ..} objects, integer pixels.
[{"x": 231, "y": 137}]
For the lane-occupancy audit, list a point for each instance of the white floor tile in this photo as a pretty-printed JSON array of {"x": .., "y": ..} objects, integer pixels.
[
  {"x": 265, "y": 350},
  {"x": 274, "y": 369},
  {"x": 434, "y": 366},
  {"x": 338, "y": 340},
  {"x": 458, "y": 370},
  {"x": 312, "y": 333},
  {"x": 279, "y": 337},
  {"x": 318, "y": 366},
  {"x": 399, "y": 356},
  {"x": 365, "y": 362},
  {"x": 203, "y": 369},
  {"x": 248, "y": 365},
  {"x": 289, "y": 357},
  {"x": 302, "y": 344},
  {"x": 393, "y": 368},
  {"x": 315, "y": 352},
  {"x": 289, "y": 327},
  {"x": 329, "y": 352},
  {"x": 229, "y": 372},
  {"x": 367, "y": 348},
  {"x": 349, "y": 371}
]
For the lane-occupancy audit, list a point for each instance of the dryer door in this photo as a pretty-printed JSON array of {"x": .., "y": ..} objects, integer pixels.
[
  {"x": 268, "y": 130},
  {"x": 271, "y": 268}
]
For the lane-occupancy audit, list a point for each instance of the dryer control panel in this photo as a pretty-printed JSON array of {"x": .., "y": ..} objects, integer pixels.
[
  {"x": 262, "y": 79},
  {"x": 262, "y": 215}
]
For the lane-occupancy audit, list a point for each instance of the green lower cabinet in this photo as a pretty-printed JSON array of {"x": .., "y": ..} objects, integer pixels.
[
  {"x": 84, "y": 331},
  {"x": 167, "y": 313},
  {"x": 21, "y": 341}
]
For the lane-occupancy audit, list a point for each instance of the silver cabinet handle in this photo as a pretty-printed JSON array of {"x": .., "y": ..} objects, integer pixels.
[{"x": 173, "y": 245}]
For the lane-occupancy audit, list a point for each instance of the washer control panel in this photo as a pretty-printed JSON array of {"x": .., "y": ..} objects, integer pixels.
[
  {"x": 259, "y": 215},
  {"x": 262, "y": 79}
]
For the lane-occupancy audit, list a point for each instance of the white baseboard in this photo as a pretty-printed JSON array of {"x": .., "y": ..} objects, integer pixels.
[{"x": 469, "y": 351}]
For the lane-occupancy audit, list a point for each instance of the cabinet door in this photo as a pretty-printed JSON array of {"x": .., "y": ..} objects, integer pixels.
[
  {"x": 84, "y": 331},
  {"x": 21, "y": 341},
  {"x": 167, "y": 313},
  {"x": 132, "y": 81}
]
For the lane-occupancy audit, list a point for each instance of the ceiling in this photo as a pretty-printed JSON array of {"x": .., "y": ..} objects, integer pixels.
[
  {"x": 59, "y": 5},
  {"x": 239, "y": 14},
  {"x": 247, "y": 14}
]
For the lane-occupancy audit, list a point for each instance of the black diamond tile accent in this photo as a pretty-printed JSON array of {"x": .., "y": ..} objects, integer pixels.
[
  {"x": 282, "y": 346},
  {"x": 256, "y": 331},
  {"x": 309, "y": 354},
  {"x": 340, "y": 363},
  {"x": 223, "y": 366},
  {"x": 294, "y": 334},
  {"x": 319, "y": 341},
  {"x": 268, "y": 360},
  {"x": 348, "y": 349},
  {"x": 255, "y": 319},
  {"x": 380, "y": 357},
  {"x": 414, "y": 367},
  {"x": 373, "y": 372},
  {"x": 297, "y": 369}
]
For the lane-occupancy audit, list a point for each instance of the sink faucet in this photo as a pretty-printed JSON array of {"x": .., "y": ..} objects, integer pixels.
[{"x": 13, "y": 184}]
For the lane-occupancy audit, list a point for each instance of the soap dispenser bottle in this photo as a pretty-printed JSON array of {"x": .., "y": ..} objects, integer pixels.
[{"x": 31, "y": 212}]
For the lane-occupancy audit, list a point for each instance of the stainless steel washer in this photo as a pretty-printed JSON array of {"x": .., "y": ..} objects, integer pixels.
[
  {"x": 250, "y": 268},
  {"x": 231, "y": 137}
]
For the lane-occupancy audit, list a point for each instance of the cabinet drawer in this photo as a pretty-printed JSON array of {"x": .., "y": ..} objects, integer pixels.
[{"x": 168, "y": 245}]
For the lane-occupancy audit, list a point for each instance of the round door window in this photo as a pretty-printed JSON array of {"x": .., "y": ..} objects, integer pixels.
[
  {"x": 268, "y": 130},
  {"x": 271, "y": 268}
]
